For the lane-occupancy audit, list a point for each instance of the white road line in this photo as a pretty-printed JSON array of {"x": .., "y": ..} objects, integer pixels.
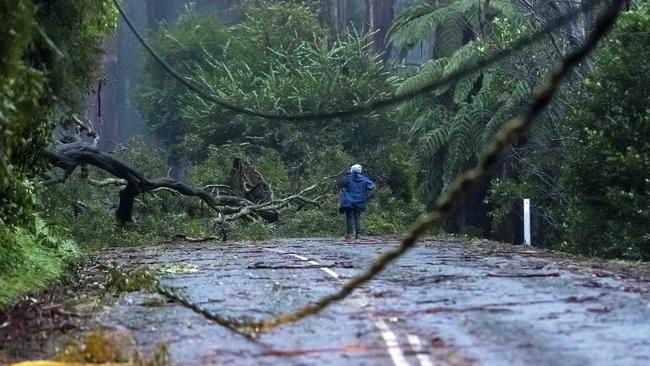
[
  {"x": 330, "y": 272},
  {"x": 392, "y": 345},
  {"x": 420, "y": 353},
  {"x": 390, "y": 339}
]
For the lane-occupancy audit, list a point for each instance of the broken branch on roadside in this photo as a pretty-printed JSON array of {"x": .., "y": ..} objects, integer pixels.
[{"x": 250, "y": 196}]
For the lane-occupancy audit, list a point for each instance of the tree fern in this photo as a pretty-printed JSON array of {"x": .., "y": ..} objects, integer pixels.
[
  {"x": 452, "y": 125},
  {"x": 418, "y": 22},
  {"x": 447, "y": 19},
  {"x": 431, "y": 70},
  {"x": 432, "y": 143}
]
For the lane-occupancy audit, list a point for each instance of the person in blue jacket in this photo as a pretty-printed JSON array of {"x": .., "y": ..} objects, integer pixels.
[{"x": 355, "y": 188}]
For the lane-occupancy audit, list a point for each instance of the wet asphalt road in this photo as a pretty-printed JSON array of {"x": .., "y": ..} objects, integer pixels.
[{"x": 444, "y": 303}]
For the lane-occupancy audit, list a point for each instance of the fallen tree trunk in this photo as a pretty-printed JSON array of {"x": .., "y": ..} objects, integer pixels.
[
  {"x": 69, "y": 156},
  {"x": 81, "y": 151}
]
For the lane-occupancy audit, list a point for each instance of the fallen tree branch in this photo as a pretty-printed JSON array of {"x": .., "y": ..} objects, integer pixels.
[
  {"x": 218, "y": 186},
  {"x": 274, "y": 206},
  {"x": 80, "y": 151},
  {"x": 106, "y": 182},
  {"x": 193, "y": 239},
  {"x": 69, "y": 156}
]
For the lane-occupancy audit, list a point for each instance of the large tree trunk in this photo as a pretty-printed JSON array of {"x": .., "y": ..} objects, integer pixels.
[
  {"x": 339, "y": 17},
  {"x": 124, "y": 212},
  {"x": 246, "y": 181},
  {"x": 379, "y": 16}
]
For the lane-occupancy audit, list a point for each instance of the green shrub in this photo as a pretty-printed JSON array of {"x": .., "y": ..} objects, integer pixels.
[
  {"x": 606, "y": 171},
  {"x": 274, "y": 171},
  {"x": 396, "y": 163},
  {"x": 323, "y": 221},
  {"x": 216, "y": 166},
  {"x": 254, "y": 230},
  {"x": 387, "y": 213},
  {"x": 31, "y": 260},
  {"x": 149, "y": 160}
]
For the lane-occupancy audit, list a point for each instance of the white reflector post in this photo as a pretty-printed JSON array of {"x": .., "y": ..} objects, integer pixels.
[{"x": 526, "y": 221}]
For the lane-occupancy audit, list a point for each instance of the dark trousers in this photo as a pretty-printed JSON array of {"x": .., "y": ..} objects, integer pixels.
[{"x": 353, "y": 220}]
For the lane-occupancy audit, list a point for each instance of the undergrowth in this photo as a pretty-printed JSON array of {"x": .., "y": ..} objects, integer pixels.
[{"x": 31, "y": 260}]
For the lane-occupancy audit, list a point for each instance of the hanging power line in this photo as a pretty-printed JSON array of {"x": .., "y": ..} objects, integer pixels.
[{"x": 372, "y": 105}]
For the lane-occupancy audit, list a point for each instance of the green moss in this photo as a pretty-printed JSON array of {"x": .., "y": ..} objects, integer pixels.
[
  {"x": 138, "y": 279},
  {"x": 86, "y": 303},
  {"x": 112, "y": 346}
]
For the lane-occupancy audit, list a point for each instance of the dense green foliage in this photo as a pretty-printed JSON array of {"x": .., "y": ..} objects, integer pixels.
[
  {"x": 452, "y": 126},
  {"x": 607, "y": 170},
  {"x": 275, "y": 60},
  {"x": 47, "y": 58},
  {"x": 279, "y": 59},
  {"x": 31, "y": 259},
  {"x": 21, "y": 116},
  {"x": 46, "y": 69}
]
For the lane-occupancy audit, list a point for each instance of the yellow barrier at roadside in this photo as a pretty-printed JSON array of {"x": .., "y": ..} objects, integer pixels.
[{"x": 58, "y": 363}]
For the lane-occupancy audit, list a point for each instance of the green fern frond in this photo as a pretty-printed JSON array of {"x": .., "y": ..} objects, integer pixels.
[
  {"x": 430, "y": 119},
  {"x": 453, "y": 165},
  {"x": 521, "y": 89},
  {"x": 418, "y": 22},
  {"x": 467, "y": 54},
  {"x": 431, "y": 144},
  {"x": 431, "y": 70},
  {"x": 412, "y": 107},
  {"x": 464, "y": 87},
  {"x": 495, "y": 123},
  {"x": 449, "y": 37}
]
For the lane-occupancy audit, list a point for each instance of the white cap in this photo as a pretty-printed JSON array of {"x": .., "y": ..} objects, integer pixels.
[{"x": 356, "y": 168}]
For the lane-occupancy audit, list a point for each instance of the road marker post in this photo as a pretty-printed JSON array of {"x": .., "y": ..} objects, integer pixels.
[{"x": 527, "y": 221}]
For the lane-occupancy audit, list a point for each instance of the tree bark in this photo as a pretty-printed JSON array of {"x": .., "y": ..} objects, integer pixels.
[
  {"x": 124, "y": 212},
  {"x": 379, "y": 16}
]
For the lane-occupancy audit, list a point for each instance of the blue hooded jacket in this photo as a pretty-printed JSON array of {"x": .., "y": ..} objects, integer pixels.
[{"x": 354, "y": 191}]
